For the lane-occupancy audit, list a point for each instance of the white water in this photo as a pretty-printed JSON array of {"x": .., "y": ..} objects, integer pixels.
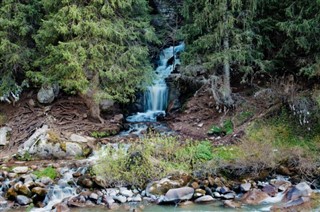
[
  {"x": 57, "y": 193},
  {"x": 156, "y": 96}
]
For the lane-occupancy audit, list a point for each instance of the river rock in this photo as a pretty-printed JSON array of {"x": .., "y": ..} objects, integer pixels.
[
  {"x": 23, "y": 200},
  {"x": 136, "y": 198},
  {"x": 94, "y": 196},
  {"x": 46, "y": 94},
  {"x": 223, "y": 190},
  {"x": 270, "y": 190},
  {"x": 11, "y": 194},
  {"x": 62, "y": 207},
  {"x": 281, "y": 185},
  {"x": 231, "y": 204},
  {"x": 3, "y": 203},
  {"x": 229, "y": 196},
  {"x": 292, "y": 204},
  {"x": 12, "y": 175},
  {"x": 216, "y": 194},
  {"x": 20, "y": 169},
  {"x": 178, "y": 194},
  {"x": 204, "y": 199},
  {"x": 120, "y": 198},
  {"x": 39, "y": 191},
  {"x": 73, "y": 149},
  {"x": 125, "y": 192},
  {"x": 108, "y": 199},
  {"x": 162, "y": 186},
  {"x": 85, "y": 181},
  {"x": 3, "y": 135},
  {"x": 24, "y": 190},
  {"x": 254, "y": 197},
  {"x": 46, "y": 180},
  {"x": 300, "y": 190},
  {"x": 245, "y": 187}
]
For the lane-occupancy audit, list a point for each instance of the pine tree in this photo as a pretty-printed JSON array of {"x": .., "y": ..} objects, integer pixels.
[
  {"x": 95, "y": 48},
  {"x": 220, "y": 36},
  {"x": 18, "y": 22}
]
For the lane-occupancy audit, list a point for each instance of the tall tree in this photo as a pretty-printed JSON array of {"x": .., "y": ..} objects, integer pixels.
[
  {"x": 96, "y": 48},
  {"x": 221, "y": 37},
  {"x": 18, "y": 22}
]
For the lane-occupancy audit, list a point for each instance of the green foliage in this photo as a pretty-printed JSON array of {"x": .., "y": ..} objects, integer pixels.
[
  {"x": 25, "y": 157},
  {"x": 225, "y": 129},
  {"x": 97, "y": 45},
  {"x": 47, "y": 172},
  {"x": 151, "y": 158}
]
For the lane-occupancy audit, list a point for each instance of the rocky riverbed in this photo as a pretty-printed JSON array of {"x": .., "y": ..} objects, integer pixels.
[{"x": 76, "y": 188}]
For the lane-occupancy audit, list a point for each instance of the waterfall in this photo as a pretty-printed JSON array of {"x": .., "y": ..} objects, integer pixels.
[{"x": 156, "y": 95}]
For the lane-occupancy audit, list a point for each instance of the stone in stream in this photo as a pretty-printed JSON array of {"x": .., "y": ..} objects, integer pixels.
[
  {"x": 178, "y": 194},
  {"x": 3, "y": 203},
  {"x": 231, "y": 204},
  {"x": 39, "y": 191},
  {"x": 230, "y": 195},
  {"x": 120, "y": 198},
  {"x": 108, "y": 199},
  {"x": 270, "y": 190},
  {"x": 204, "y": 199},
  {"x": 23, "y": 189},
  {"x": 245, "y": 187},
  {"x": 20, "y": 169},
  {"x": 94, "y": 196},
  {"x": 23, "y": 200},
  {"x": 11, "y": 194},
  {"x": 254, "y": 197},
  {"x": 281, "y": 185},
  {"x": 46, "y": 180},
  {"x": 61, "y": 207},
  {"x": 292, "y": 204},
  {"x": 300, "y": 190},
  {"x": 125, "y": 192},
  {"x": 162, "y": 186}
]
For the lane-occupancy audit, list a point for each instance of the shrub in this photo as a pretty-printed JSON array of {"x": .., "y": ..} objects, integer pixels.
[{"x": 47, "y": 172}]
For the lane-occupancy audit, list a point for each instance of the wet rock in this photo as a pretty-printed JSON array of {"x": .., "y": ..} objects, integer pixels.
[
  {"x": 136, "y": 198},
  {"x": 293, "y": 204},
  {"x": 3, "y": 135},
  {"x": 3, "y": 203},
  {"x": 195, "y": 185},
  {"x": 162, "y": 186},
  {"x": 281, "y": 185},
  {"x": 46, "y": 180},
  {"x": 76, "y": 174},
  {"x": 112, "y": 191},
  {"x": 178, "y": 194},
  {"x": 108, "y": 199},
  {"x": 204, "y": 199},
  {"x": 39, "y": 191},
  {"x": 199, "y": 192},
  {"x": 254, "y": 197},
  {"x": 73, "y": 149},
  {"x": 94, "y": 196},
  {"x": 125, "y": 192},
  {"x": 120, "y": 198},
  {"x": 209, "y": 191},
  {"x": 216, "y": 194},
  {"x": 62, "y": 207},
  {"x": 223, "y": 190},
  {"x": 300, "y": 190},
  {"x": 46, "y": 94},
  {"x": 186, "y": 203},
  {"x": 284, "y": 171},
  {"x": 23, "y": 200},
  {"x": 228, "y": 196},
  {"x": 24, "y": 190},
  {"x": 78, "y": 138},
  {"x": 86, "y": 182},
  {"x": 11, "y": 194},
  {"x": 245, "y": 187},
  {"x": 20, "y": 169},
  {"x": 231, "y": 204},
  {"x": 100, "y": 181},
  {"x": 114, "y": 206},
  {"x": 270, "y": 190}
]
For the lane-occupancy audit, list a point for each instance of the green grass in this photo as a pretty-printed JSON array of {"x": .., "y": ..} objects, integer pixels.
[
  {"x": 225, "y": 129},
  {"x": 47, "y": 172}
]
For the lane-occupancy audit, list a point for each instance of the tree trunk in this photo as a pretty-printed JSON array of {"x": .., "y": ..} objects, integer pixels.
[{"x": 227, "y": 99}]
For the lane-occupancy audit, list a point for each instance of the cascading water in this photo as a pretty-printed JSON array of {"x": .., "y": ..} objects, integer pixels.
[{"x": 156, "y": 96}]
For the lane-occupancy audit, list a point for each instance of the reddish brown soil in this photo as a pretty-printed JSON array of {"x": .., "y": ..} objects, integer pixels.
[{"x": 66, "y": 114}]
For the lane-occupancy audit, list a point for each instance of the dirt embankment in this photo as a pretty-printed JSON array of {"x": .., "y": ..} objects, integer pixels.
[{"x": 66, "y": 114}]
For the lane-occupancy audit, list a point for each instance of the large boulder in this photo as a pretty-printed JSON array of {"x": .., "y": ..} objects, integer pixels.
[
  {"x": 254, "y": 197},
  {"x": 162, "y": 186},
  {"x": 300, "y": 190},
  {"x": 46, "y": 94},
  {"x": 3, "y": 135},
  {"x": 179, "y": 194}
]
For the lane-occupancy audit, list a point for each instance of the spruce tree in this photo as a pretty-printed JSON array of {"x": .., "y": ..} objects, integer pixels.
[
  {"x": 220, "y": 36},
  {"x": 18, "y": 22},
  {"x": 95, "y": 48}
]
